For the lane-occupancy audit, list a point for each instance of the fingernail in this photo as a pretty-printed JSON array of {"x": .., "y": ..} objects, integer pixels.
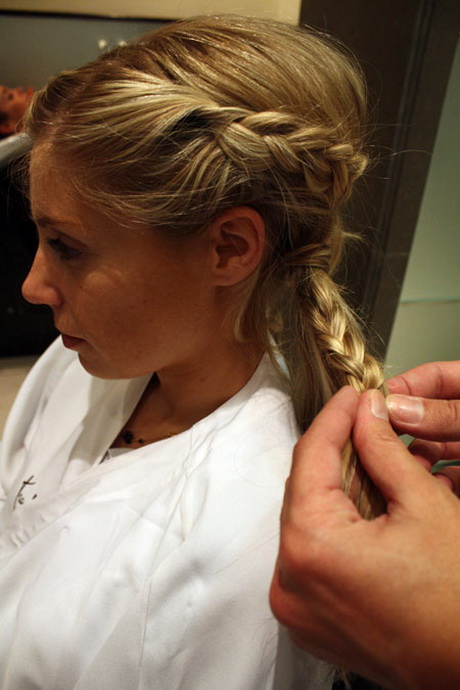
[
  {"x": 405, "y": 408},
  {"x": 378, "y": 407}
]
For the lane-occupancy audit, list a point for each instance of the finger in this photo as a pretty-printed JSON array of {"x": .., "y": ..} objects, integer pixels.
[
  {"x": 442, "y": 479},
  {"x": 451, "y": 477},
  {"x": 429, "y": 454},
  {"x": 433, "y": 451},
  {"x": 423, "y": 461},
  {"x": 436, "y": 420},
  {"x": 384, "y": 456},
  {"x": 433, "y": 380},
  {"x": 316, "y": 469}
]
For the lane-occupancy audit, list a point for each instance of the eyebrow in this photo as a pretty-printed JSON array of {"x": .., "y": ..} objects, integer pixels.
[
  {"x": 47, "y": 221},
  {"x": 65, "y": 227}
]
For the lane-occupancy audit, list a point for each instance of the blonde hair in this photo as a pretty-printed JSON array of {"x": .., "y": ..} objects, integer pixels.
[{"x": 210, "y": 113}]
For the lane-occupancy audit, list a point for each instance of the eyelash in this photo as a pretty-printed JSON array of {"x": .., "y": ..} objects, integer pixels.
[{"x": 64, "y": 252}]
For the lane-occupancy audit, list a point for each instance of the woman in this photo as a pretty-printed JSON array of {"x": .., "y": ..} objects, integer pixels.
[
  {"x": 186, "y": 190},
  {"x": 13, "y": 105}
]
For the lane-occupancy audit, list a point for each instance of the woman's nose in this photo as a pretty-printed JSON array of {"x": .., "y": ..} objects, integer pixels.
[{"x": 38, "y": 287}]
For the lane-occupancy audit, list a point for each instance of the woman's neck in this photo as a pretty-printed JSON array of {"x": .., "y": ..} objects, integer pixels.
[{"x": 178, "y": 397}]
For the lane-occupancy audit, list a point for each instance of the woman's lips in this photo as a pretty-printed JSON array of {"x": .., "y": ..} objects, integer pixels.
[{"x": 70, "y": 342}]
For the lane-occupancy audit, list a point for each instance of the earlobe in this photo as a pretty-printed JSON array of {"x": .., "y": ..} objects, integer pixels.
[{"x": 237, "y": 244}]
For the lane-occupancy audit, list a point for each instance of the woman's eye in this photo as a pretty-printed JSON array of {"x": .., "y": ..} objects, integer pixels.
[{"x": 63, "y": 250}]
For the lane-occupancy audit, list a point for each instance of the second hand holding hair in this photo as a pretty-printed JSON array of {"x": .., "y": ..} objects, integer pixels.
[{"x": 379, "y": 597}]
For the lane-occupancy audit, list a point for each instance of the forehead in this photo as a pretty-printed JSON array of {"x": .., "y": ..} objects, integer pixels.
[
  {"x": 57, "y": 197},
  {"x": 44, "y": 164},
  {"x": 50, "y": 185},
  {"x": 56, "y": 201}
]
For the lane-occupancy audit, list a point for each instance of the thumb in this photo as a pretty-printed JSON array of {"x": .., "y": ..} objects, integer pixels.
[
  {"x": 384, "y": 456},
  {"x": 436, "y": 420},
  {"x": 315, "y": 484}
]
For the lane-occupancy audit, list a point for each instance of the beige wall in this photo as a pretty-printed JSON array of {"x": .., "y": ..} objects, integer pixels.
[
  {"x": 427, "y": 324},
  {"x": 34, "y": 47},
  {"x": 284, "y": 10}
]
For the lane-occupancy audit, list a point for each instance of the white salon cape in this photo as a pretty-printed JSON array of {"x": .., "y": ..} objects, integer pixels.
[{"x": 150, "y": 570}]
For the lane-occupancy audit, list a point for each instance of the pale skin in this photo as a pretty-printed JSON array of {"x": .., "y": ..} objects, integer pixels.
[
  {"x": 380, "y": 597},
  {"x": 132, "y": 303}
]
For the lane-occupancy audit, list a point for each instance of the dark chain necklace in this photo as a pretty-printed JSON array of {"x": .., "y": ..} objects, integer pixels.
[{"x": 128, "y": 437}]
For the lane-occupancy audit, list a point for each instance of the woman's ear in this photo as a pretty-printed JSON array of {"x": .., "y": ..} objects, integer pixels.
[{"x": 237, "y": 243}]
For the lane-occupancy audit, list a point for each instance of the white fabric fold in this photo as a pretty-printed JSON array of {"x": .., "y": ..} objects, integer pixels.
[{"x": 150, "y": 570}]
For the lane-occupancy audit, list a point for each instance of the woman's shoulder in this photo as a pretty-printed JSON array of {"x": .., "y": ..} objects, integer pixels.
[
  {"x": 262, "y": 411},
  {"x": 247, "y": 444}
]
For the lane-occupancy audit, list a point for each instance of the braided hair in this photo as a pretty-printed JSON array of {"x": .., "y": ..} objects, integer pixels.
[{"x": 210, "y": 113}]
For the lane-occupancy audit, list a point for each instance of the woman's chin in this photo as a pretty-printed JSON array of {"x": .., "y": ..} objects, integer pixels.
[{"x": 103, "y": 370}]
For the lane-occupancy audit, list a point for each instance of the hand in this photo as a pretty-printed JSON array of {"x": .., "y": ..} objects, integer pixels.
[
  {"x": 434, "y": 415},
  {"x": 379, "y": 597}
]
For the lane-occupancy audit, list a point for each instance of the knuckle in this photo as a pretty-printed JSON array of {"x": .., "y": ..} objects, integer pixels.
[
  {"x": 380, "y": 436},
  {"x": 302, "y": 553},
  {"x": 442, "y": 420},
  {"x": 453, "y": 413},
  {"x": 292, "y": 550}
]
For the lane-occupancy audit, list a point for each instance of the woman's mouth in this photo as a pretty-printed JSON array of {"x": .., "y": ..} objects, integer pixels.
[{"x": 70, "y": 342}]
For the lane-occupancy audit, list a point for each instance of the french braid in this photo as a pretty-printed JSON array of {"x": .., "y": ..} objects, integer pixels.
[
  {"x": 318, "y": 327},
  {"x": 328, "y": 336},
  {"x": 211, "y": 113},
  {"x": 312, "y": 323}
]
